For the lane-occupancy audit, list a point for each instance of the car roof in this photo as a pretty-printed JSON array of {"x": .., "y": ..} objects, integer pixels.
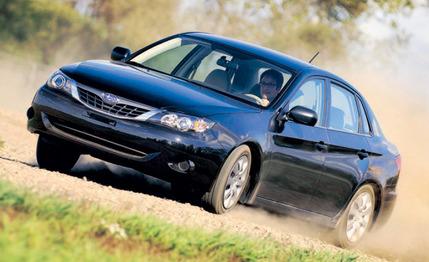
[{"x": 280, "y": 58}]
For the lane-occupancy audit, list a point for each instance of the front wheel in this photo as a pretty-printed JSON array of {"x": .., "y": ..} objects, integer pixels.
[
  {"x": 53, "y": 155},
  {"x": 357, "y": 218},
  {"x": 231, "y": 181}
]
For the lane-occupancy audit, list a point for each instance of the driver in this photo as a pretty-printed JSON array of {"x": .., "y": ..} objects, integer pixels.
[{"x": 270, "y": 84}]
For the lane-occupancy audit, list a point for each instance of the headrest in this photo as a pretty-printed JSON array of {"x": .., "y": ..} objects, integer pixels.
[{"x": 217, "y": 78}]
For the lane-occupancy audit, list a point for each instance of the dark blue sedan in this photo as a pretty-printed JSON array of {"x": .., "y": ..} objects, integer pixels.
[{"x": 226, "y": 121}]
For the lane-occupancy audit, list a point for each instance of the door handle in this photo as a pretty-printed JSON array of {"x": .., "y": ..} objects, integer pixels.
[
  {"x": 321, "y": 146},
  {"x": 362, "y": 154}
]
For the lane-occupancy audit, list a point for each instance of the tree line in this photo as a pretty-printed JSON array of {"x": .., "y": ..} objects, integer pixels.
[{"x": 41, "y": 29}]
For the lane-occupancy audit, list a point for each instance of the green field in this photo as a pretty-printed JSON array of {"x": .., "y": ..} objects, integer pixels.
[{"x": 44, "y": 228}]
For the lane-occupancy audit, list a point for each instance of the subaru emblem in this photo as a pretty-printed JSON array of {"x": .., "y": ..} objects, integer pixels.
[{"x": 109, "y": 98}]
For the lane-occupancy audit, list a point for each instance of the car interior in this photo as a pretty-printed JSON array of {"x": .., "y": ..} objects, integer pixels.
[{"x": 237, "y": 76}]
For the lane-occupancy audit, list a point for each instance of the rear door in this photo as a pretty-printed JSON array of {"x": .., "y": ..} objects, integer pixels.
[
  {"x": 347, "y": 158},
  {"x": 297, "y": 160}
]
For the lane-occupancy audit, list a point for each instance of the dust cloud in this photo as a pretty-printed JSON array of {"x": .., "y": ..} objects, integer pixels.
[{"x": 400, "y": 103}]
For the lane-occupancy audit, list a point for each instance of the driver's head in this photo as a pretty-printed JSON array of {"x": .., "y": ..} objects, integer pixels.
[{"x": 271, "y": 81}]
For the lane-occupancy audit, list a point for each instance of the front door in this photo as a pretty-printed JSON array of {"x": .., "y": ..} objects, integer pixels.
[{"x": 297, "y": 152}]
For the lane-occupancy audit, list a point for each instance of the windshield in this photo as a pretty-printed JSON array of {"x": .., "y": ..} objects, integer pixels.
[{"x": 227, "y": 71}]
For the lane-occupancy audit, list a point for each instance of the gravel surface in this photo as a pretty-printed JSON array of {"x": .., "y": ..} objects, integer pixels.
[{"x": 122, "y": 189}]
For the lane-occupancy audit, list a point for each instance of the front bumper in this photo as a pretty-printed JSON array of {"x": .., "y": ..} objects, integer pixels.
[{"x": 142, "y": 145}]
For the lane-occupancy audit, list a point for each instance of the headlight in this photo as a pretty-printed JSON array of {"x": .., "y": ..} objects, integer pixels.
[
  {"x": 59, "y": 80},
  {"x": 182, "y": 122}
]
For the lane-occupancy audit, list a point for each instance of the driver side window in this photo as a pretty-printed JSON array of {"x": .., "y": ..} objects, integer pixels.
[{"x": 310, "y": 95}]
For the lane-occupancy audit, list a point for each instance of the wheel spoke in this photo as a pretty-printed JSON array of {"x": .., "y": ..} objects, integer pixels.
[
  {"x": 239, "y": 181},
  {"x": 351, "y": 231},
  {"x": 360, "y": 202},
  {"x": 244, "y": 165},
  {"x": 349, "y": 225},
  {"x": 230, "y": 181},
  {"x": 235, "y": 170},
  {"x": 367, "y": 210},
  {"x": 240, "y": 165},
  {"x": 227, "y": 194},
  {"x": 229, "y": 197},
  {"x": 365, "y": 219},
  {"x": 227, "y": 202}
]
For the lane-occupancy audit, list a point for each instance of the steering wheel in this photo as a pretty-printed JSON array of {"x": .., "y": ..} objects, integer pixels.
[{"x": 258, "y": 100}]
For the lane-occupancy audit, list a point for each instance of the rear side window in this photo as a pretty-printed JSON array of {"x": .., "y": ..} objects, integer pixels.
[
  {"x": 343, "y": 112},
  {"x": 364, "y": 119}
]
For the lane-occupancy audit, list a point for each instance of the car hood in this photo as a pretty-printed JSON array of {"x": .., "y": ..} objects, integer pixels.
[{"x": 154, "y": 89}]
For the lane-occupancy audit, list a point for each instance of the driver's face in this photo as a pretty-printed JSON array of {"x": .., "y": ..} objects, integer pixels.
[{"x": 268, "y": 87}]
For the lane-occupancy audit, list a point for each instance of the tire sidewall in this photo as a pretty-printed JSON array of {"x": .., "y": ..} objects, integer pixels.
[
  {"x": 341, "y": 235},
  {"x": 218, "y": 189}
]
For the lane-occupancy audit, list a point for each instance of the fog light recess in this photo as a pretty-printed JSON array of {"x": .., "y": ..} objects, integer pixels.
[{"x": 182, "y": 167}]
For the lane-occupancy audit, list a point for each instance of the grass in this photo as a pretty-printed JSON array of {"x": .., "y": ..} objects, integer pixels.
[{"x": 45, "y": 228}]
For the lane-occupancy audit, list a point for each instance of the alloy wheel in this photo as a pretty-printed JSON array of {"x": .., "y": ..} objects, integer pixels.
[
  {"x": 359, "y": 217},
  {"x": 236, "y": 181}
]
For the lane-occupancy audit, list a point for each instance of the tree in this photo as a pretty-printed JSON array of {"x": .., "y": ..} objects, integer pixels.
[
  {"x": 43, "y": 27},
  {"x": 136, "y": 22},
  {"x": 293, "y": 26}
]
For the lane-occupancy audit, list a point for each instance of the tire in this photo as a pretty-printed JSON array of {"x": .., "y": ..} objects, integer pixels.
[
  {"x": 54, "y": 155},
  {"x": 231, "y": 181},
  {"x": 357, "y": 217}
]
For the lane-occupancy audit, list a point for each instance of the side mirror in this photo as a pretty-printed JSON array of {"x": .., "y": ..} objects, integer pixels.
[
  {"x": 120, "y": 53},
  {"x": 301, "y": 115}
]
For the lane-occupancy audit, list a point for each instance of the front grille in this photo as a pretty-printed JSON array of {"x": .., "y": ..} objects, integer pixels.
[{"x": 119, "y": 110}]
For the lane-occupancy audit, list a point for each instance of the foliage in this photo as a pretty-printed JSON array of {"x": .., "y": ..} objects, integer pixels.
[
  {"x": 297, "y": 27},
  {"x": 44, "y": 26},
  {"x": 137, "y": 23},
  {"x": 44, "y": 228}
]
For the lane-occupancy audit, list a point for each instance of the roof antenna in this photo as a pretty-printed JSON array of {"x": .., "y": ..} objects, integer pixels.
[{"x": 311, "y": 60}]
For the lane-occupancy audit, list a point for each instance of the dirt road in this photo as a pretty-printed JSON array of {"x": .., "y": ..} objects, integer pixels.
[{"x": 122, "y": 189}]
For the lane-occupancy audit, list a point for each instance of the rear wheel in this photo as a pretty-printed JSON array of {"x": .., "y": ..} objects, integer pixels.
[
  {"x": 357, "y": 218},
  {"x": 231, "y": 181},
  {"x": 54, "y": 155}
]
